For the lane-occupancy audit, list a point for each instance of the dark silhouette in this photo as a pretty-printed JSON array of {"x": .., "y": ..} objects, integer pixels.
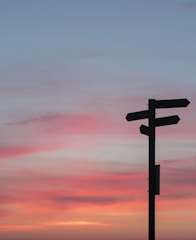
[{"x": 154, "y": 170}]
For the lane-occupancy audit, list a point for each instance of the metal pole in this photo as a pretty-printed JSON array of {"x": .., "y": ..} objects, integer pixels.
[{"x": 151, "y": 182}]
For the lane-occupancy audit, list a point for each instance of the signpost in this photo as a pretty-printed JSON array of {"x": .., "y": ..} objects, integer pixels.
[
  {"x": 154, "y": 170},
  {"x": 137, "y": 115}
]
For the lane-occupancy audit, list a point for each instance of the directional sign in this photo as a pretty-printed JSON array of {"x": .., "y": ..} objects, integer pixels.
[
  {"x": 172, "y": 103},
  {"x": 166, "y": 120},
  {"x": 160, "y": 122},
  {"x": 144, "y": 130},
  {"x": 154, "y": 170},
  {"x": 137, "y": 115}
]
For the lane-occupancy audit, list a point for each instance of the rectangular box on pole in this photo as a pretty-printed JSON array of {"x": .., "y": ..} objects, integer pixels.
[{"x": 157, "y": 180}]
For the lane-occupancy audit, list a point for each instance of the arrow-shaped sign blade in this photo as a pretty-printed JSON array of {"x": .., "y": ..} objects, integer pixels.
[
  {"x": 172, "y": 103},
  {"x": 166, "y": 120},
  {"x": 137, "y": 115},
  {"x": 160, "y": 122},
  {"x": 144, "y": 130}
]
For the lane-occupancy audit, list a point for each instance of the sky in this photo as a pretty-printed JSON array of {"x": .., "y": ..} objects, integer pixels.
[{"x": 71, "y": 166}]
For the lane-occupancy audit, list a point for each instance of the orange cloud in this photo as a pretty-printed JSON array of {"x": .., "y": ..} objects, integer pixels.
[
  {"x": 81, "y": 223},
  {"x": 77, "y": 223},
  {"x": 106, "y": 199},
  {"x": 20, "y": 227},
  {"x": 99, "y": 194}
]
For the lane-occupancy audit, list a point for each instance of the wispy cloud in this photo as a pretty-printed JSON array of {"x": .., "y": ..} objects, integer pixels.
[
  {"x": 10, "y": 151},
  {"x": 76, "y": 223},
  {"x": 51, "y": 194},
  {"x": 100, "y": 189},
  {"x": 45, "y": 225},
  {"x": 96, "y": 190},
  {"x": 20, "y": 227},
  {"x": 93, "y": 199},
  {"x": 33, "y": 134},
  {"x": 43, "y": 118},
  {"x": 70, "y": 123}
]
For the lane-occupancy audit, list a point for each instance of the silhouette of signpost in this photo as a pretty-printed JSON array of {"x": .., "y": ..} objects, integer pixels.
[{"x": 154, "y": 170}]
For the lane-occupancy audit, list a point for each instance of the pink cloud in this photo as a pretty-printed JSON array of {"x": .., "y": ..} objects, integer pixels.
[
  {"x": 51, "y": 195},
  {"x": 105, "y": 122},
  {"x": 101, "y": 189},
  {"x": 11, "y": 151},
  {"x": 69, "y": 123},
  {"x": 50, "y": 132}
]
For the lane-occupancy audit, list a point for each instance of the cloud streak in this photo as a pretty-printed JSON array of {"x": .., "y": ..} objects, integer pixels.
[
  {"x": 69, "y": 123},
  {"x": 93, "y": 199},
  {"x": 43, "y": 118},
  {"x": 103, "y": 188},
  {"x": 11, "y": 151}
]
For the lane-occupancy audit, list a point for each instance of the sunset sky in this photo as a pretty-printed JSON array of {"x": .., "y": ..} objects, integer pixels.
[{"x": 71, "y": 166}]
